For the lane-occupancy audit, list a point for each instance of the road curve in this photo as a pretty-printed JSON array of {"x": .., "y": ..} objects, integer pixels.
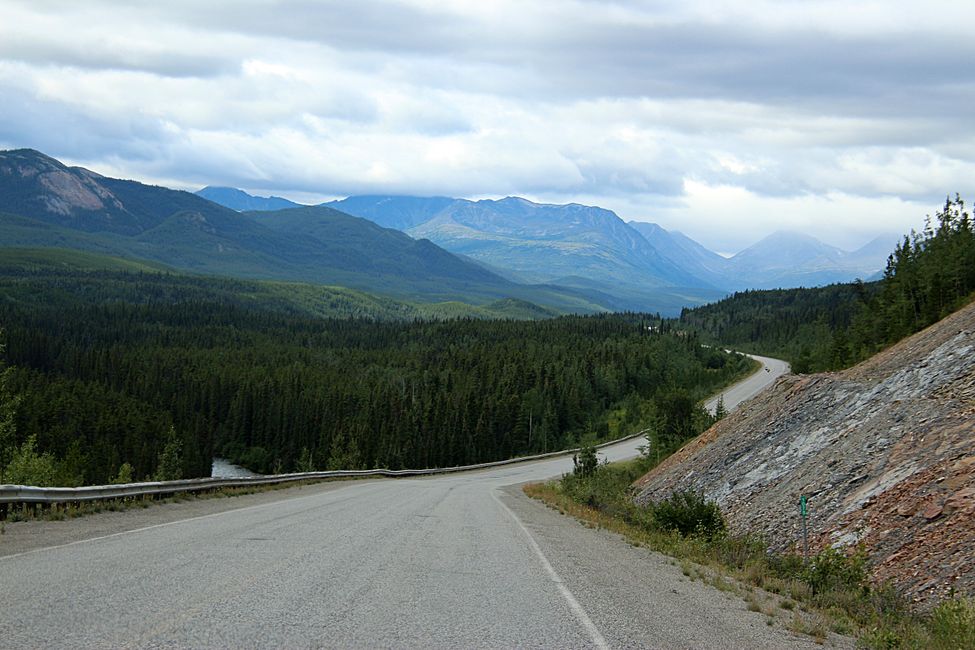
[
  {"x": 751, "y": 386},
  {"x": 455, "y": 561}
]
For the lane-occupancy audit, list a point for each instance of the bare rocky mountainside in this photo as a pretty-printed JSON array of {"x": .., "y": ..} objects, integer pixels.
[{"x": 884, "y": 451}]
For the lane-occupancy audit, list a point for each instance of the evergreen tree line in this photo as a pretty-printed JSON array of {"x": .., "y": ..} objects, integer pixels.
[
  {"x": 792, "y": 324},
  {"x": 929, "y": 274},
  {"x": 121, "y": 390}
]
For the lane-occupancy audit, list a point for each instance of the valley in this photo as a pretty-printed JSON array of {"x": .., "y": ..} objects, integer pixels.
[
  {"x": 522, "y": 325},
  {"x": 146, "y": 332}
]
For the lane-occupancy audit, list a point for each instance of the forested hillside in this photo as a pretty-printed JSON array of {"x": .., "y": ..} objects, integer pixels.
[
  {"x": 929, "y": 274},
  {"x": 793, "y": 324},
  {"x": 46, "y": 204},
  {"x": 113, "y": 382}
]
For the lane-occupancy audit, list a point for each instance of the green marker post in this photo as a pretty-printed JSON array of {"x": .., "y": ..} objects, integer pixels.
[{"x": 803, "y": 512}]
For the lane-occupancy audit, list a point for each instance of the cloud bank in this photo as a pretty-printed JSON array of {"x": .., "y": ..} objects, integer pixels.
[{"x": 725, "y": 123}]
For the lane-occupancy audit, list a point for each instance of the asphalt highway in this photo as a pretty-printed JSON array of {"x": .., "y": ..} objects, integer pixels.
[
  {"x": 734, "y": 395},
  {"x": 458, "y": 561}
]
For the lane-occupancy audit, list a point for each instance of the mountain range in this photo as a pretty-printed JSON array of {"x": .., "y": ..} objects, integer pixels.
[
  {"x": 570, "y": 258},
  {"x": 585, "y": 247},
  {"x": 780, "y": 260},
  {"x": 241, "y": 201},
  {"x": 577, "y": 245},
  {"x": 46, "y": 204},
  {"x": 592, "y": 248}
]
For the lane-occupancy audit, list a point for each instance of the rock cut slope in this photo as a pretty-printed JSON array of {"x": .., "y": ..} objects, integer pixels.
[{"x": 884, "y": 451}]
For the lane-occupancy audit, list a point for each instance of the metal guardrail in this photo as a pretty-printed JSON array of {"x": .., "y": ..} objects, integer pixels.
[{"x": 26, "y": 494}]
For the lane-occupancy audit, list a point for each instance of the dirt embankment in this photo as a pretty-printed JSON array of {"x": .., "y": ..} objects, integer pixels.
[{"x": 884, "y": 451}]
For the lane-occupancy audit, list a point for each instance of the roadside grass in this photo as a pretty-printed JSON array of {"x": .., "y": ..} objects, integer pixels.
[{"x": 831, "y": 592}]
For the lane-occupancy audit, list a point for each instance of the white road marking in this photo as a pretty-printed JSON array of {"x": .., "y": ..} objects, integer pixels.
[{"x": 574, "y": 605}]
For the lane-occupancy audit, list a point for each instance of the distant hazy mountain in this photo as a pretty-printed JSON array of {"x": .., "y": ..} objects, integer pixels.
[
  {"x": 400, "y": 212},
  {"x": 686, "y": 253},
  {"x": 781, "y": 260},
  {"x": 783, "y": 255},
  {"x": 633, "y": 265},
  {"x": 873, "y": 255},
  {"x": 788, "y": 259},
  {"x": 241, "y": 201},
  {"x": 571, "y": 245},
  {"x": 46, "y": 204}
]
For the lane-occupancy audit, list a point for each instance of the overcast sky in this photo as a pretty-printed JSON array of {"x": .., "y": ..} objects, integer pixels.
[{"x": 725, "y": 120}]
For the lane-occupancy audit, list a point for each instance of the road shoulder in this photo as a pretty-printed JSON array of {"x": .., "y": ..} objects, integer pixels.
[{"x": 637, "y": 597}]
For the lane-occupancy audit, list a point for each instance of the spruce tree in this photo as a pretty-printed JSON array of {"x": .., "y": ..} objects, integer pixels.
[{"x": 8, "y": 406}]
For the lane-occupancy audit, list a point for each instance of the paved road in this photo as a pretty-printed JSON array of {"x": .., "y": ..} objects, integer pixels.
[
  {"x": 456, "y": 561},
  {"x": 771, "y": 370}
]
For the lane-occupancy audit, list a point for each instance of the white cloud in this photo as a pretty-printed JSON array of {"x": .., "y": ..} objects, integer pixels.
[
  {"x": 725, "y": 120},
  {"x": 725, "y": 217}
]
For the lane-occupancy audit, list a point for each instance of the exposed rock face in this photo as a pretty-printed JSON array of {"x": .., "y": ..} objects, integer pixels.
[
  {"x": 70, "y": 194},
  {"x": 67, "y": 192},
  {"x": 884, "y": 451}
]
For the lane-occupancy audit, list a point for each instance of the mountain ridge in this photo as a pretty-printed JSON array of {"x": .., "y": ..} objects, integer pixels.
[
  {"x": 545, "y": 243},
  {"x": 47, "y": 204},
  {"x": 549, "y": 243},
  {"x": 241, "y": 201}
]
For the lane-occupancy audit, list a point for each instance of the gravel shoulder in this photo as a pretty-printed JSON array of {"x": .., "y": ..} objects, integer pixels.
[{"x": 640, "y": 598}]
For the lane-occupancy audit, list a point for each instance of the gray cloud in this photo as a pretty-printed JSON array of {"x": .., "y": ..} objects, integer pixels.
[
  {"x": 707, "y": 116},
  {"x": 26, "y": 121},
  {"x": 586, "y": 53},
  {"x": 166, "y": 64}
]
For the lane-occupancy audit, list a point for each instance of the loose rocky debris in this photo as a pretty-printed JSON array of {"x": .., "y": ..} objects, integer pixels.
[{"x": 884, "y": 452}]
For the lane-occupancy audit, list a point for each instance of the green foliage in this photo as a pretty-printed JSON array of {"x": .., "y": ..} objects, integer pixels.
[
  {"x": 952, "y": 625},
  {"x": 833, "y": 570},
  {"x": 111, "y": 361},
  {"x": 677, "y": 417},
  {"x": 8, "y": 406},
  {"x": 345, "y": 454},
  {"x": 107, "y": 362},
  {"x": 606, "y": 488},
  {"x": 305, "y": 461},
  {"x": 43, "y": 260},
  {"x": 66, "y": 277},
  {"x": 689, "y": 513},
  {"x": 792, "y": 324},
  {"x": 170, "y": 465},
  {"x": 72, "y": 467},
  {"x": 677, "y": 413},
  {"x": 125, "y": 475},
  {"x": 585, "y": 462},
  {"x": 719, "y": 409},
  {"x": 29, "y": 467},
  {"x": 929, "y": 275}
]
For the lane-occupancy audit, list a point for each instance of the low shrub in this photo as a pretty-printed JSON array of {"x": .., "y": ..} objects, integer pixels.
[
  {"x": 689, "y": 513},
  {"x": 833, "y": 570},
  {"x": 952, "y": 625},
  {"x": 604, "y": 487},
  {"x": 585, "y": 462}
]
